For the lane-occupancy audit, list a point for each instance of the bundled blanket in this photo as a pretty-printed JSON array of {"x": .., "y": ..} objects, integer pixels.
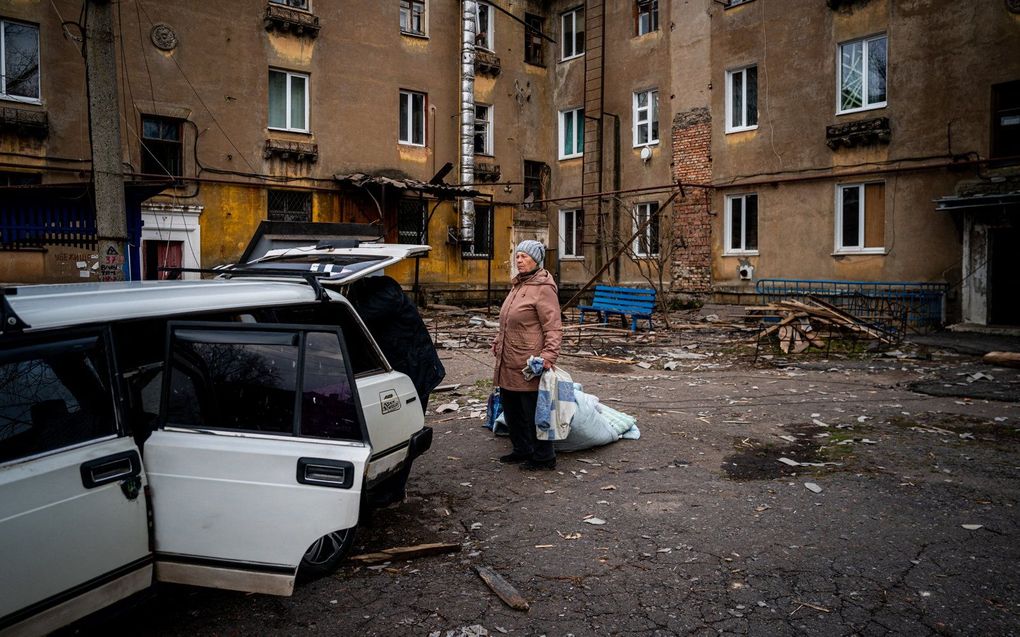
[{"x": 556, "y": 405}]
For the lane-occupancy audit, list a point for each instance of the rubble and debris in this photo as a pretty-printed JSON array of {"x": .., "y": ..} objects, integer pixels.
[
  {"x": 799, "y": 325},
  {"x": 812, "y": 487},
  {"x": 475, "y": 630},
  {"x": 502, "y": 588},
  {"x": 405, "y": 553},
  {"x": 447, "y": 408}
]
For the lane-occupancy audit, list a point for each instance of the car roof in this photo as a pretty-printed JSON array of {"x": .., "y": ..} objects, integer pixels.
[{"x": 52, "y": 306}]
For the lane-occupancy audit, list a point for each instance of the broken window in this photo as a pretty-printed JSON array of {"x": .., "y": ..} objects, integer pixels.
[
  {"x": 162, "y": 148},
  {"x": 860, "y": 217},
  {"x": 571, "y": 233},
  {"x": 742, "y": 99},
  {"x": 861, "y": 68},
  {"x": 647, "y": 16},
  {"x": 483, "y": 129},
  {"x": 289, "y": 205},
  {"x": 742, "y": 224},
  {"x": 412, "y": 118},
  {"x": 534, "y": 184},
  {"x": 534, "y": 47},
  {"x": 646, "y": 118},
  {"x": 646, "y": 244},
  {"x": 412, "y": 222},
  {"x": 288, "y": 101},
  {"x": 412, "y": 17},
  {"x": 572, "y": 33},
  {"x": 1006, "y": 120},
  {"x": 571, "y": 133},
  {"x": 481, "y": 246},
  {"x": 19, "y": 61},
  {"x": 486, "y": 28}
]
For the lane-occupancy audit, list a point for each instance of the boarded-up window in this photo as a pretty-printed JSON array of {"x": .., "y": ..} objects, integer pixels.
[{"x": 860, "y": 213}]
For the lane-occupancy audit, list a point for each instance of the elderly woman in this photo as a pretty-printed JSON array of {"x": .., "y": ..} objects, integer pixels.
[{"x": 529, "y": 325}]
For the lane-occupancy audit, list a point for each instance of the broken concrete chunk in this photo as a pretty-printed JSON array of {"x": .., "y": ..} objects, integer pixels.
[
  {"x": 595, "y": 521},
  {"x": 789, "y": 462},
  {"x": 811, "y": 486},
  {"x": 972, "y": 527}
]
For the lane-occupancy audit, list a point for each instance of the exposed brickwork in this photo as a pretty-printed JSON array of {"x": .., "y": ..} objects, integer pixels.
[{"x": 692, "y": 164}]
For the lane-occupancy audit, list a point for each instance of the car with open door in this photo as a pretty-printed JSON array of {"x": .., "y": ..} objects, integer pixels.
[{"x": 216, "y": 433}]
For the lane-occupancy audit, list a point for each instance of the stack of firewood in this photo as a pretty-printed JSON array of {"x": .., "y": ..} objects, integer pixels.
[{"x": 803, "y": 324}]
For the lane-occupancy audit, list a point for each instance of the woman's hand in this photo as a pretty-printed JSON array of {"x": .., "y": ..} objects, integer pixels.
[{"x": 547, "y": 364}]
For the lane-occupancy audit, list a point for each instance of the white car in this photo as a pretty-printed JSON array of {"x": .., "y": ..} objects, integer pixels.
[{"x": 216, "y": 433}]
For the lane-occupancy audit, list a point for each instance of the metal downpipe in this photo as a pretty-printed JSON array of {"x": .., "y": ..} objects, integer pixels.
[{"x": 469, "y": 16}]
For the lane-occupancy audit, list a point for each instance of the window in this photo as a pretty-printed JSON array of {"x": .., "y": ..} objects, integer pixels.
[
  {"x": 162, "y": 149},
  {"x": 289, "y": 205},
  {"x": 1006, "y": 119},
  {"x": 247, "y": 380},
  {"x": 288, "y": 101},
  {"x": 571, "y": 233},
  {"x": 742, "y": 99},
  {"x": 481, "y": 246},
  {"x": 572, "y": 33},
  {"x": 483, "y": 129},
  {"x": 742, "y": 224},
  {"x": 861, "y": 68},
  {"x": 860, "y": 217},
  {"x": 486, "y": 30},
  {"x": 19, "y": 179},
  {"x": 647, "y": 16},
  {"x": 297, "y": 4},
  {"x": 534, "y": 47},
  {"x": 646, "y": 118},
  {"x": 412, "y": 118},
  {"x": 534, "y": 176},
  {"x": 412, "y": 17},
  {"x": 647, "y": 243},
  {"x": 53, "y": 395},
  {"x": 19, "y": 61},
  {"x": 412, "y": 222},
  {"x": 571, "y": 133}
]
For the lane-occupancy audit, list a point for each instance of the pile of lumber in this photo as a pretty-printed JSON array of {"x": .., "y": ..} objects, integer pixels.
[{"x": 801, "y": 324}]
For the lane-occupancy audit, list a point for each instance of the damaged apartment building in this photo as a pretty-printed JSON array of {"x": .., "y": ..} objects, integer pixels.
[{"x": 698, "y": 146}]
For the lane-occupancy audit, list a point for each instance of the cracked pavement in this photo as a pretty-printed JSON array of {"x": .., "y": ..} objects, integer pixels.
[{"x": 706, "y": 532}]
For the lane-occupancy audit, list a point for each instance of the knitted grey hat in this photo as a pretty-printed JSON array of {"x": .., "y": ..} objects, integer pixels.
[{"x": 533, "y": 249}]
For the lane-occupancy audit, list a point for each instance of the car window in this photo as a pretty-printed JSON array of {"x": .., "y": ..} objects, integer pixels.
[
  {"x": 54, "y": 394},
  {"x": 248, "y": 380},
  {"x": 364, "y": 358}
]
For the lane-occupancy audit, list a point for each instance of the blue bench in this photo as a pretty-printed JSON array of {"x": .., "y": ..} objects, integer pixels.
[{"x": 638, "y": 303}]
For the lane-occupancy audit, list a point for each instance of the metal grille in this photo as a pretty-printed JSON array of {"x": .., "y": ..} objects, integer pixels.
[
  {"x": 412, "y": 222},
  {"x": 481, "y": 246},
  {"x": 290, "y": 205}
]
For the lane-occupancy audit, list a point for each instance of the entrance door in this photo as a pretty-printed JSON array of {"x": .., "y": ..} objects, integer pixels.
[
  {"x": 261, "y": 451},
  {"x": 1003, "y": 301},
  {"x": 161, "y": 254}
]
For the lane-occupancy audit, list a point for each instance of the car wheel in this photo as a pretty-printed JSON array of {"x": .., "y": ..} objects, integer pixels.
[{"x": 326, "y": 553}]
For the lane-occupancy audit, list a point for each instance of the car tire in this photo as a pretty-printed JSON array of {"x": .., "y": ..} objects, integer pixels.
[{"x": 326, "y": 553}]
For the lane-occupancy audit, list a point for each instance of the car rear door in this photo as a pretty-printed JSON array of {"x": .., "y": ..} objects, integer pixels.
[
  {"x": 261, "y": 451},
  {"x": 73, "y": 519}
]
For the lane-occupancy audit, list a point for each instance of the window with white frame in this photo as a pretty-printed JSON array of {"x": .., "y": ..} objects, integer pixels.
[
  {"x": 572, "y": 33},
  {"x": 860, "y": 217},
  {"x": 483, "y": 129},
  {"x": 646, "y": 118},
  {"x": 742, "y": 224},
  {"x": 861, "y": 68},
  {"x": 646, "y": 244},
  {"x": 19, "y": 61},
  {"x": 297, "y": 4},
  {"x": 742, "y": 99},
  {"x": 413, "y": 17},
  {"x": 412, "y": 118},
  {"x": 486, "y": 26},
  {"x": 571, "y": 133},
  {"x": 288, "y": 101},
  {"x": 647, "y": 16},
  {"x": 571, "y": 233}
]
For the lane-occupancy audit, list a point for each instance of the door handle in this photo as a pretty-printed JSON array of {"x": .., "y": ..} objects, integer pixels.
[
  {"x": 118, "y": 466},
  {"x": 325, "y": 472}
]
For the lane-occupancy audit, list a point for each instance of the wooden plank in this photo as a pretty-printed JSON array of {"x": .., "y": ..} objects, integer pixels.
[
  {"x": 1003, "y": 359},
  {"x": 502, "y": 588},
  {"x": 405, "y": 553}
]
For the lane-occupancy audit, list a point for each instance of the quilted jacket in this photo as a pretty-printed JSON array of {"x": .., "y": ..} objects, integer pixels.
[{"x": 529, "y": 325}]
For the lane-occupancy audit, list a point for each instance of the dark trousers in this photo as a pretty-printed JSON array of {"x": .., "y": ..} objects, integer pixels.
[{"x": 519, "y": 408}]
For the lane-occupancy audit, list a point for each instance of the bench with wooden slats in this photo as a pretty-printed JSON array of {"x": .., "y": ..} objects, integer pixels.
[{"x": 637, "y": 303}]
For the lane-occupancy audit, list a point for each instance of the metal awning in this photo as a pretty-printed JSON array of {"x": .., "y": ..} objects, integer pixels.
[
  {"x": 1006, "y": 201},
  {"x": 438, "y": 190}
]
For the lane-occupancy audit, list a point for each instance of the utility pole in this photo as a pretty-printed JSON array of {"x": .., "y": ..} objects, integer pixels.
[{"x": 104, "y": 132}]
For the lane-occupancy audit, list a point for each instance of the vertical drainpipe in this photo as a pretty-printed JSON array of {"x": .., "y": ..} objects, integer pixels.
[{"x": 469, "y": 16}]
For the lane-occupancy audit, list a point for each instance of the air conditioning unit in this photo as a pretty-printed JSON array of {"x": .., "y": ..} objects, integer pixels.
[{"x": 746, "y": 272}]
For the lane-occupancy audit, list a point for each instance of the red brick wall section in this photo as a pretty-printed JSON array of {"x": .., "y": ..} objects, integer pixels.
[{"x": 692, "y": 164}]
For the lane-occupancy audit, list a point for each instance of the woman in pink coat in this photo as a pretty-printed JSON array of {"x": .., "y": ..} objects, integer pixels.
[{"x": 529, "y": 325}]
